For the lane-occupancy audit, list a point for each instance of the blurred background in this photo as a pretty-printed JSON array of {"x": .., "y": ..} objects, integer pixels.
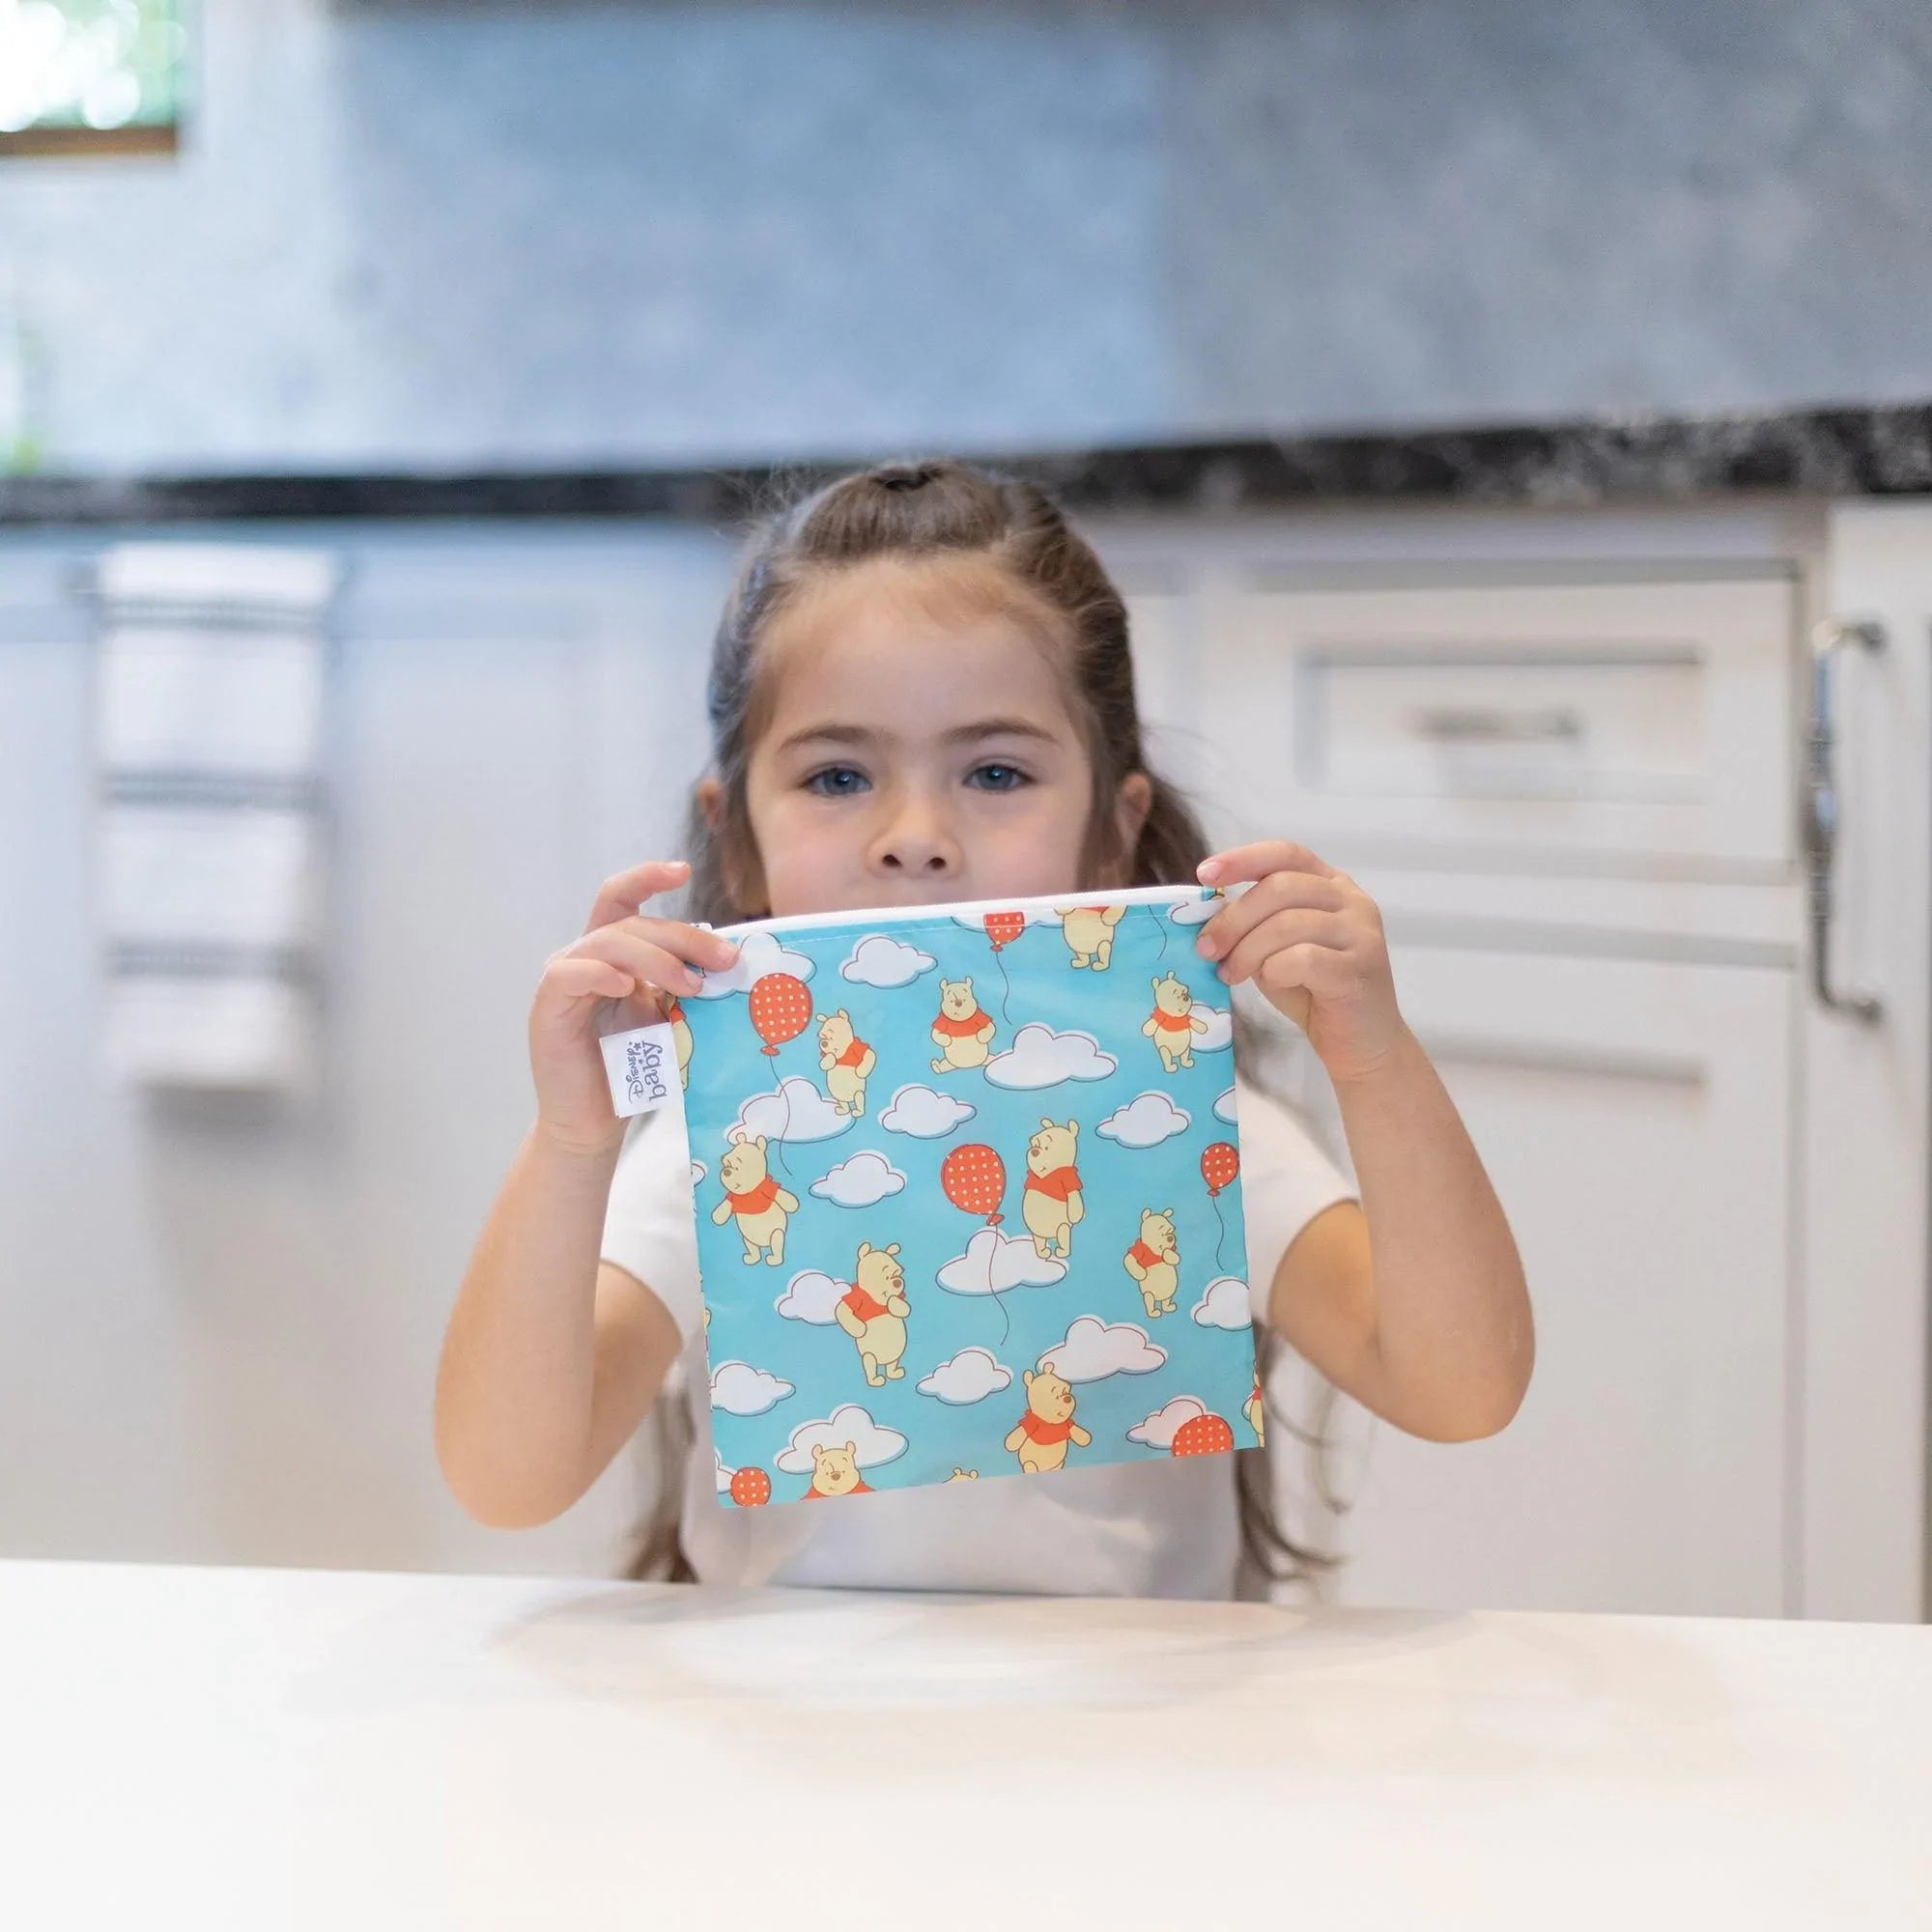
[
  {"x": 1491, "y": 408},
  {"x": 427, "y": 233}
]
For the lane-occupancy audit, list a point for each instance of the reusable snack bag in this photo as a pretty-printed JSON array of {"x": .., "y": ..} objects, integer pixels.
[{"x": 967, "y": 1189}]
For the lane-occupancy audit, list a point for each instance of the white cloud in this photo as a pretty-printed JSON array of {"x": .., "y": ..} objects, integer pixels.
[
  {"x": 811, "y": 1295},
  {"x": 724, "y": 1475},
  {"x": 794, "y": 1111},
  {"x": 922, "y": 1112},
  {"x": 971, "y": 1376},
  {"x": 861, "y": 1182},
  {"x": 1145, "y": 1121},
  {"x": 1094, "y": 1350},
  {"x": 881, "y": 960},
  {"x": 1224, "y": 1108},
  {"x": 1040, "y": 1056},
  {"x": 1225, "y": 1303},
  {"x": 994, "y": 1261},
  {"x": 758, "y": 953},
  {"x": 1197, "y": 912},
  {"x": 698, "y": 1172},
  {"x": 848, "y": 1423},
  {"x": 740, "y": 1389},
  {"x": 1160, "y": 1429},
  {"x": 1220, "y": 1032}
]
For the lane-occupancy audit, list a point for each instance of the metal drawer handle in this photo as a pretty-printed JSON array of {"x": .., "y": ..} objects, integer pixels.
[
  {"x": 1499, "y": 728},
  {"x": 1821, "y": 809}
]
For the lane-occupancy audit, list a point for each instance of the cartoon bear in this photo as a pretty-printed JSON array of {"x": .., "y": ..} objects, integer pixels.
[
  {"x": 834, "y": 1473},
  {"x": 963, "y": 1476},
  {"x": 1047, "y": 1426},
  {"x": 1252, "y": 1410},
  {"x": 1173, "y": 1022},
  {"x": 963, "y": 1033},
  {"x": 1089, "y": 932},
  {"x": 1155, "y": 1260},
  {"x": 874, "y": 1312},
  {"x": 756, "y": 1199},
  {"x": 680, "y": 1038},
  {"x": 1052, "y": 1200},
  {"x": 846, "y": 1061}
]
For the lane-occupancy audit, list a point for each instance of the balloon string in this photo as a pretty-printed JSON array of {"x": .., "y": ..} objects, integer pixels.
[
  {"x": 785, "y": 1133},
  {"x": 1006, "y": 986},
  {"x": 1221, "y": 1240}
]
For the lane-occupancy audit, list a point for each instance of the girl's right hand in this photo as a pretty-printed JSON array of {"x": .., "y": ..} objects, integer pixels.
[{"x": 609, "y": 982}]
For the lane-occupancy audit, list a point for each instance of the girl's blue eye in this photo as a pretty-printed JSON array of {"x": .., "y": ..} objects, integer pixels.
[
  {"x": 834, "y": 772},
  {"x": 1010, "y": 780}
]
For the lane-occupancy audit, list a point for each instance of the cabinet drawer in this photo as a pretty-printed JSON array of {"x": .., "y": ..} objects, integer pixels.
[{"x": 1561, "y": 723}]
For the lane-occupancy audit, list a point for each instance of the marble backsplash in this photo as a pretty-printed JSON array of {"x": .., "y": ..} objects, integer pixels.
[{"x": 410, "y": 233}]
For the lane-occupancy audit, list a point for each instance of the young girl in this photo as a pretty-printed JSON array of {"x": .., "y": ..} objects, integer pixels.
[{"x": 921, "y": 691}]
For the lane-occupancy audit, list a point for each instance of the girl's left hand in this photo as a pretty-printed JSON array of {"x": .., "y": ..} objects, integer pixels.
[{"x": 1310, "y": 940}]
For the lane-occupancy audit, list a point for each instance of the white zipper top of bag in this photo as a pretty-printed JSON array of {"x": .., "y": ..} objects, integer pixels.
[{"x": 799, "y": 922}]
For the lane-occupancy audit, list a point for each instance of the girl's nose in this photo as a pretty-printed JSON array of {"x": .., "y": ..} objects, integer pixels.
[{"x": 916, "y": 842}]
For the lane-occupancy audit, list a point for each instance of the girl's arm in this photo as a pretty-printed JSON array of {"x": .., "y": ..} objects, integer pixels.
[
  {"x": 551, "y": 1356},
  {"x": 1413, "y": 1303}
]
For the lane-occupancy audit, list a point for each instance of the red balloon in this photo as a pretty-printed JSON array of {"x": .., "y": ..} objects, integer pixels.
[
  {"x": 781, "y": 1009},
  {"x": 975, "y": 1179},
  {"x": 1002, "y": 928},
  {"x": 751, "y": 1489},
  {"x": 1219, "y": 1165},
  {"x": 1203, "y": 1435}
]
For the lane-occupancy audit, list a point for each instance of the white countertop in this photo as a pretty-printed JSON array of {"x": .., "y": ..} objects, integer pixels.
[{"x": 281, "y": 1748}]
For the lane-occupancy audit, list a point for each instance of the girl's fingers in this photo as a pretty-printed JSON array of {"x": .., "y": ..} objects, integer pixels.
[
  {"x": 1294, "y": 930},
  {"x": 1304, "y": 969},
  {"x": 1274, "y": 894},
  {"x": 642, "y": 958},
  {"x": 689, "y": 943},
  {"x": 1257, "y": 860},
  {"x": 621, "y": 894},
  {"x": 581, "y": 979}
]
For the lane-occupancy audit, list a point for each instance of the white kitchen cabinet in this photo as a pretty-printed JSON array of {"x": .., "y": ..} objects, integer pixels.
[
  {"x": 226, "y": 1317},
  {"x": 1564, "y": 756},
  {"x": 1634, "y": 1118}
]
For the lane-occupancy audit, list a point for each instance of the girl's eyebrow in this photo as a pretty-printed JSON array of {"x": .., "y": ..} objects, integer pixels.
[
  {"x": 825, "y": 734},
  {"x": 860, "y": 734},
  {"x": 1001, "y": 728}
]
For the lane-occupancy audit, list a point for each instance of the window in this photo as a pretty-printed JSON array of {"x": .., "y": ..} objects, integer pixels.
[{"x": 91, "y": 76}]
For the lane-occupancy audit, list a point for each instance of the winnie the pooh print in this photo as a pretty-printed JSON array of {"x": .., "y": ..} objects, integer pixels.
[
  {"x": 834, "y": 1473},
  {"x": 755, "y": 1197},
  {"x": 845, "y": 1059},
  {"x": 963, "y": 1031},
  {"x": 1173, "y": 1022},
  {"x": 1052, "y": 1201},
  {"x": 1089, "y": 933},
  {"x": 1044, "y": 1432},
  {"x": 874, "y": 1312},
  {"x": 680, "y": 1038},
  {"x": 1155, "y": 1260}
]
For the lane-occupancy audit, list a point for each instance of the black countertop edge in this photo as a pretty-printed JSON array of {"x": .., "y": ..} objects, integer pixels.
[{"x": 1884, "y": 450}]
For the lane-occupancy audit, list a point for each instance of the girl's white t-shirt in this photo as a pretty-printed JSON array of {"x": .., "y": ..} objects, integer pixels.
[{"x": 1124, "y": 1530}]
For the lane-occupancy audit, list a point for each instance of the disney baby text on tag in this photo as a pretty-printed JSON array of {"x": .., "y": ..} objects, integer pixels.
[{"x": 642, "y": 1067}]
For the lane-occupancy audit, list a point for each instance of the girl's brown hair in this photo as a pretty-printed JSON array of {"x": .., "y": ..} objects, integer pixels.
[{"x": 942, "y": 510}]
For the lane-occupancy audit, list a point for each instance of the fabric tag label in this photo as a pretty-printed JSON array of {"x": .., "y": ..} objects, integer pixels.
[{"x": 642, "y": 1067}]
